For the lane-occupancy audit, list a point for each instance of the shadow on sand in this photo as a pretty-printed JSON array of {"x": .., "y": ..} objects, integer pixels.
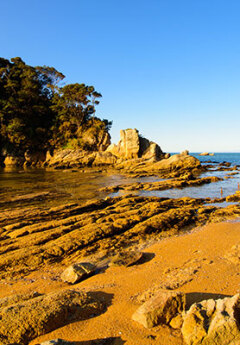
[
  {"x": 146, "y": 257},
  {"x": 105, "y": 341},
  {"x": 102, "y": 341},
  {"x": 196, "y": 297}
]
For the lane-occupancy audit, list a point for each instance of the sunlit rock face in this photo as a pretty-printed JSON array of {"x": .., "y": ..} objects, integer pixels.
[
  {"x": 213, "y": 322},
  {"x": 133, "y": 146}
]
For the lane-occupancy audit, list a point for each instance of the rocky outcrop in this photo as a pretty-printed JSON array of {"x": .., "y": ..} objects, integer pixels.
[
  {"x": 160, "y": 309},
  {"x": 11, "y": 160},
  {"x": 133, "y": 146},
  {"x": 234, "y": 197},
  {"x": 95, "y": 138},
  {"x": 69, "y": 158},
  {"x": 179, "y": 164},
  {"x": 213, "y": 322},
  {"x": 27, "y": 159},
  {"x": 133, "y": 154},
  {"x": 204, "y": 154},
  {"x": 32, "y": 237},
  {"x": 186, "y": 180},
  {"x": 43, "y": 314}
]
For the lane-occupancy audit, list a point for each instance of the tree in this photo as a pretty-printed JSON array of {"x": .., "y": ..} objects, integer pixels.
[
  {"x": 74, "y": 105},
  {"x": 25, "y": 105},
  {"x": 37, "y": 112}
]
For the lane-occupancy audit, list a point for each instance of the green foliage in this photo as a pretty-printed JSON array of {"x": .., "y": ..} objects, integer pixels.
[{"x": 37, "y": 113}]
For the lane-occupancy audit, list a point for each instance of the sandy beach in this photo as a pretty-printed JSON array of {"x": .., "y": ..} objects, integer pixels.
[{"x": 204, "y": 261}]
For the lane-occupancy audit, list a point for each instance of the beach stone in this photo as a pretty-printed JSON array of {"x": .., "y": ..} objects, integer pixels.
[
  {"x": 126, "y": 258},
  {"x": 78, "y": 271},
  {"x": 160, "y": 309},
  {"x": 22, "y": 322},
  {"x": 213, "y": 322}
]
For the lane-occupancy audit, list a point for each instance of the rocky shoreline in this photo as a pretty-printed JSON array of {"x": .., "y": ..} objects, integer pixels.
[
  {"x": 68, "y": 271},
  {"x": 132, "y": 152}
]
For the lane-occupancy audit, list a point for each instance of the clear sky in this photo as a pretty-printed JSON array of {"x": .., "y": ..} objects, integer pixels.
[{"x": 170, "y": 68}]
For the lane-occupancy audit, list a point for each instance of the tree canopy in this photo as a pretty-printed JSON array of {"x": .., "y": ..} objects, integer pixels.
[{"x": 36, "y": 112}]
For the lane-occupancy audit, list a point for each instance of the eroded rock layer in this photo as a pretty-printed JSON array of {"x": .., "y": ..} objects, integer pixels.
[{"x": 31, "y": 237}]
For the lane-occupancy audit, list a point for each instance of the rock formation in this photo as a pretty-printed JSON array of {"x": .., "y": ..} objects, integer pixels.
[
  {"x": 133, "y": 154},
  {"x": 206, "y": 154},
  {"x": 133, "y": 146},
  {"x": 43, "y": 314},
  {"x": 179, "y": 163},
  {"x": 234, "y": 197},
  {"x": 213, "y": 322}
]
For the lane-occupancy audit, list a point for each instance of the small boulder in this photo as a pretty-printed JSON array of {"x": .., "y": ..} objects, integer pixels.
[
  {"x": 213, "y": 322},
  {"x": 77, "y": 272},
  {"x": 160, "y": 309},
  {"x": 126, "y": 258}
]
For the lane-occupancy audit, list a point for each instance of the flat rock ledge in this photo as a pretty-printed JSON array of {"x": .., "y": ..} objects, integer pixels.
[{"x": 26, "y": 320}]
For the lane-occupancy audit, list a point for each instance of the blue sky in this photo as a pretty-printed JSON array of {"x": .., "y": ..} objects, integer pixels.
[{"x": 170, "y": 68}]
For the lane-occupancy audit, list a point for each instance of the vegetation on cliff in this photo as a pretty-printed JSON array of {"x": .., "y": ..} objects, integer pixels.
[{"x": 38, "y": 112}]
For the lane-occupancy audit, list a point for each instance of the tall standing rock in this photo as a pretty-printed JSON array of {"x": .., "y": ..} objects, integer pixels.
[
  {"x": 133, "y": 146},
  {"x": 129, "y": 143}
]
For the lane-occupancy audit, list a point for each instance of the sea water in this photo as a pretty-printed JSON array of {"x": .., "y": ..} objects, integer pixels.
[{"x": 75, "y": 186}]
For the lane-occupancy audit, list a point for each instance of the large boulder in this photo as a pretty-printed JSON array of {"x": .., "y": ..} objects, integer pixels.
[
  {"x": 160, "y": 309},
  {"x": 213, "y": 322},
  {"x": 24, "y": 321}
]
